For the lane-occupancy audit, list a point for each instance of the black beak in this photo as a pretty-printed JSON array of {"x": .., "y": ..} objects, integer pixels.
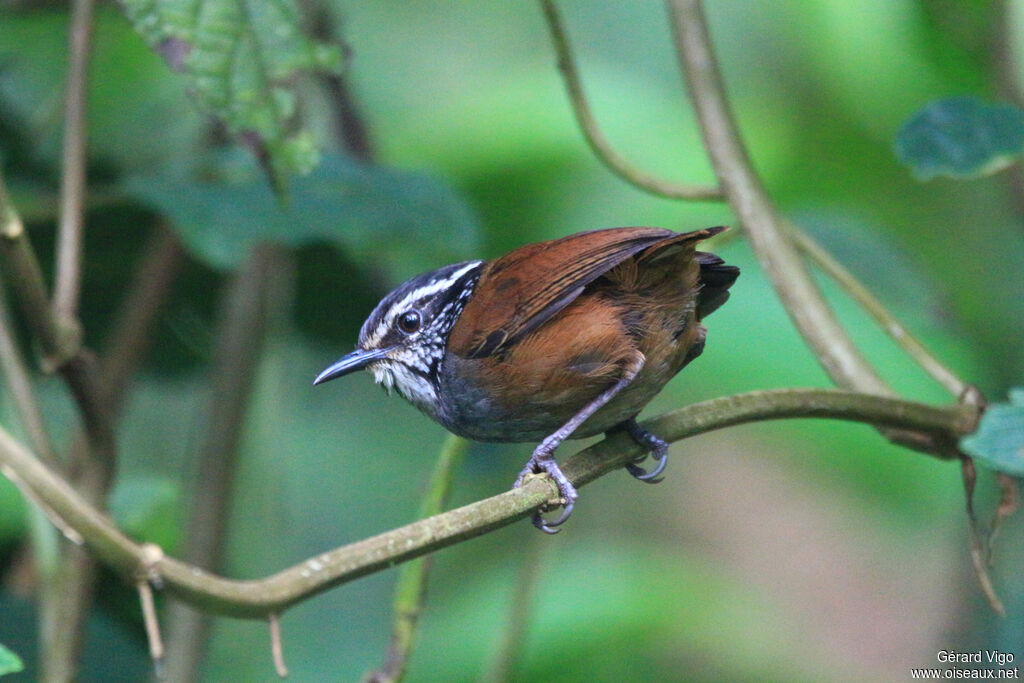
[{"x": 357, "y": 360}]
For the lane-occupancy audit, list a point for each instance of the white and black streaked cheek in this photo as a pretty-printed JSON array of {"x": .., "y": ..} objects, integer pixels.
[{"x": 413, "y": 384}]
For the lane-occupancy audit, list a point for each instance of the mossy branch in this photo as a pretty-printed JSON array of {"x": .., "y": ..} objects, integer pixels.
[{"x": 273, "y": 594}]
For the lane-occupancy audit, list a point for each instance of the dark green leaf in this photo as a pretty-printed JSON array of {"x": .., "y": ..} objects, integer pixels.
[
  {"x": 999, "y": 441},
  {"x": 9, "y": 662},
  {"x": 241, "y": 57},
  {"x": 961, "y": 137},
  {"x": 402, "y": 219}
]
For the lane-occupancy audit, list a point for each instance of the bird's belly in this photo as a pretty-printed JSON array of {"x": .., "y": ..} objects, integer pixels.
[{"x": 473, "y": 412}]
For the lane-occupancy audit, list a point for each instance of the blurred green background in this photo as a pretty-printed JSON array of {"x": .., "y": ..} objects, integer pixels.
[{"x": 798, "y": 550}]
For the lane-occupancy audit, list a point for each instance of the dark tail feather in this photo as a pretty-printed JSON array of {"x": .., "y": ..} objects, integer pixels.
[{"x": 716, "y": 278}]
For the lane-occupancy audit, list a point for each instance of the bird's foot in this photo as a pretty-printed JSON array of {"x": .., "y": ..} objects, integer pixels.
[
  {"x": 658, "y": 451},
  {"x": 541, "y": 462}
]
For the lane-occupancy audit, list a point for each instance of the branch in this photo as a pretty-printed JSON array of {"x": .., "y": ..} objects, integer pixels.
[
  {"x": 20, "y": 385},
  {"x": 72, "y": 190},
  {"x": 792, "y": 281},
  {"x": 746, "y": 180},
  {"x": 595, "y": 138},
  {"x": 131, "y": 331},
  {"x": 273, "y": 594},
  {"x": 349, "y": 128},
  {"x": 886, "y": 320},
  {"x": 58, "y": 340}
]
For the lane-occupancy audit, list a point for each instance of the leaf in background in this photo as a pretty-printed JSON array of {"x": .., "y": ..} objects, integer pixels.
[
  {"x": 961, "y": 137},
  {"x": 241, "y": 57},
  {"x": 999, "y": 441},
  {"x": 9, "y": 662},
  {"x": 405, "y": 220},
  {"x": 136, "y": 117},
  {"x": 144, "y": 506}
]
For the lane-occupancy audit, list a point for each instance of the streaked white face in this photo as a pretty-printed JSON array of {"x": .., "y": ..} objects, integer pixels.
[
  {"x": 415, "y": 299},
  {"x": 433, "y": 301}
]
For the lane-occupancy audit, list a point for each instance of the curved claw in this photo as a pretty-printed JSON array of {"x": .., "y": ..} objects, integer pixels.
[
  {"x": 546, "y": 464},
  {"x": 652, "y": 476},
  {"x": 659, "y": 451},
  {"x": 643, "y": 475},
  {"x": 552, "y": 527}
]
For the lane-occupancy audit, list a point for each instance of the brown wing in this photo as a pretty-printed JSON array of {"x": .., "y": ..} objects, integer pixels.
[{"x": 521, "y": 290}]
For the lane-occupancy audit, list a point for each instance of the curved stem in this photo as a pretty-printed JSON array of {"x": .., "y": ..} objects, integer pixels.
[
  {"x": 886, "y": 320},
  {"x": 20, "y": 385},
  {"x": 58, "y": 341},
  {"x": 796, "y": 289},
  {"x": 595, "y": 138},
  {"x": 273, "y": 594}
]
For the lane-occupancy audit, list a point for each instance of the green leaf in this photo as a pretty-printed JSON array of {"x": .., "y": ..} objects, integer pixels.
[
  {"x": 9, "y": 662},
  {"x": 999, "y": 441},
  {"x": 398, "y": 218},
  {"x": 961, "y": 137},
  {"x": 241, "y": 58},
  {"x": 145, "y": 506}
]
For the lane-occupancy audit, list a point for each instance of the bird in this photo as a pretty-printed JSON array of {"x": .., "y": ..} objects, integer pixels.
[{"x": 566, "y": 338}]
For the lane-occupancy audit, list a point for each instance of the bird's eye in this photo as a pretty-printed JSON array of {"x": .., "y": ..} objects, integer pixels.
[{"x": 409, "y": 322}]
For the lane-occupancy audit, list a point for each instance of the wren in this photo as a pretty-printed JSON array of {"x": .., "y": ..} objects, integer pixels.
[{"x": 561, "y": 339}]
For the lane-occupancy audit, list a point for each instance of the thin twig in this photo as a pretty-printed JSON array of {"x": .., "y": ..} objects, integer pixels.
[
  {"x": 156, "y": 643},
  {"x": 886, "y": 320},
  {"x": 72, "y": 190},
  {"x": 410, "y": 590},
  {"x": 979, "y": 557},
  {"x": 258, "y": 598},
  {"x": 245, "y": 314},
  {"x": 1009, "y": 501},
  {"x": 82, "y": 376},
  {"x": 58, "y": 340},
  {"x": 131, "y": 333},
  {"x": 20, "y": 384},
  {"x": 276, "y": 644},
  {"x": 596, "y": 139},
  {"x": 349, "y": 129}
]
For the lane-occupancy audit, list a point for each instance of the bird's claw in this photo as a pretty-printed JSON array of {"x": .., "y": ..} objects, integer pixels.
[
  {"x": 658, "y": 451},
  {"x": 648, "y": 477},
  {"x": 539, "y": 465}
]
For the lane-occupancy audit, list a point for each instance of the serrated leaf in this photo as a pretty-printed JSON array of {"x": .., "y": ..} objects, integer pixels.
[
  {"x": 961, "y": 137},
  {"x": 380, "y": 215},
  {"x": 9, "y": 662},
  {"x": 240, "y": 57},
  {"x": 999, "y": 440}
]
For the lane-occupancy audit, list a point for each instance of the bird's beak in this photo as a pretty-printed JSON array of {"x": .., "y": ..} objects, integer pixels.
[{"x": 357, "y": 360}]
